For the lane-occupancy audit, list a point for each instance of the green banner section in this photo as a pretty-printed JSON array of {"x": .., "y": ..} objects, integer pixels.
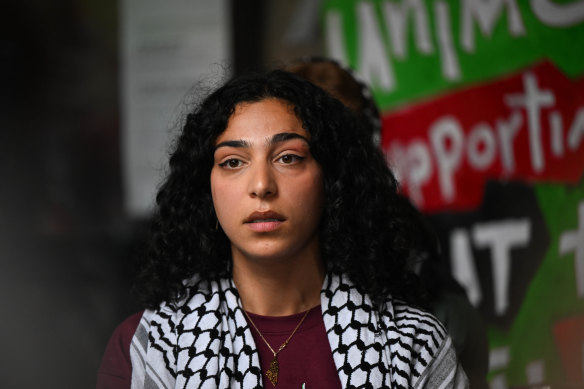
[
  {"x": 413, "y": 49},
  {"x": 552, "y": 299}
]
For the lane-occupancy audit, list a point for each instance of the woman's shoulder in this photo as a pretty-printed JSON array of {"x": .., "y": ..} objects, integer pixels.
[
  {"x": 408, "y": 317},
  {"x": 416, "y": 329},
  {"x": 418, "y": 337},
  {"x": 116, "y": 368}
]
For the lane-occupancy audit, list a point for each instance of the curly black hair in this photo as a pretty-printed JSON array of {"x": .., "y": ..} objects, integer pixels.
[{"x": 364, "y": 233}]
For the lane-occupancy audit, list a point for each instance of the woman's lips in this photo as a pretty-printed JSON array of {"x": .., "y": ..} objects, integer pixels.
[
  {"x": 264, "y": 221},
  {"x": 264, "y": 226}
]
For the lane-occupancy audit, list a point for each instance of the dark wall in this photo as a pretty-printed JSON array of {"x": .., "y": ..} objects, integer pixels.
[{"x": 64, "y": 242}]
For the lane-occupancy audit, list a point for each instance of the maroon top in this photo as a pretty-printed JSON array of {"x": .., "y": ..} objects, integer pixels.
[
  {"x": 306, "y": 360},
  {"x": 115, "y": 371}
]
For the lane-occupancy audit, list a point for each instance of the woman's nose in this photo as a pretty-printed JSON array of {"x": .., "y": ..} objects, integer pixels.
[{"x": 262, "y": 182}]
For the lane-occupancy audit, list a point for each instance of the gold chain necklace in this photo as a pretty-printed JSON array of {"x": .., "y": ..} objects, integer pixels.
[{"x": 274, "y": 369}]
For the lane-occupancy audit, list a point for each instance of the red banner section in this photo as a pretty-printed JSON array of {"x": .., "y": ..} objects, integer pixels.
[{"x": 528, "y": 126}]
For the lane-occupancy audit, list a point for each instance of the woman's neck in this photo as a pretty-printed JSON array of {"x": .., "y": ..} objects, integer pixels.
[{"x": 278, "y": 288}]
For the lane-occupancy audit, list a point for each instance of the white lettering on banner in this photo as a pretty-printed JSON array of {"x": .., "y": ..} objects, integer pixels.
[
  {"x": 396, "y": 159},
  {"x": 499, "y": 359},
  {"x": 448, "y": 145},
  {"x": 558, "y": 15},
  {"x": 576, "y": 130},
  {"x": 334, "y": 37},
  {"x": 420, "y": 168},
  {"x": 396, "y": 18},
  {"x": 486, "y": 13},
  {"x": 374, "y": 60},
  {"x": 501, "y": 237},
  {"x": 462, "y": 264},
  {"x": 507, "y": 131},
  {"x": 573, "y": 242},
  {"x": 481, "y": 157},
  {"x": 498, "y": 382},
  {"x": 411, "y": 165},
  {"x": 447, "y": 139},
  {"x": 533, "y": 100},
  {"x": 535, "y": 372},
  {"x": 557, "y": 133},
  {"x": 448, "y": 57}
]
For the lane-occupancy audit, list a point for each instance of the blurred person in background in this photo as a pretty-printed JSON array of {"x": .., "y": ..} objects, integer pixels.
[{"x": 343, "y": 84}]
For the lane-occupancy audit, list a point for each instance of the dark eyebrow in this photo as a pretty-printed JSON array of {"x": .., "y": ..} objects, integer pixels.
[
  {"x": 233, "y": 143},
  {"x": 278, "y": 138},
  {"x": 285, "y": 136}
]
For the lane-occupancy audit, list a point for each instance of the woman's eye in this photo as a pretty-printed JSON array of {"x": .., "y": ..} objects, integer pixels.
[
  {"x": 231, "y": 163},
  {"x": 290, "y": 158}
]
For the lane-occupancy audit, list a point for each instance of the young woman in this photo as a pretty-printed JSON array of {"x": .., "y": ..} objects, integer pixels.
[{"x": 278, "y": 256}]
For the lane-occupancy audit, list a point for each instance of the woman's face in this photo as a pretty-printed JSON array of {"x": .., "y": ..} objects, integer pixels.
[{"x": 267, "y": 188}]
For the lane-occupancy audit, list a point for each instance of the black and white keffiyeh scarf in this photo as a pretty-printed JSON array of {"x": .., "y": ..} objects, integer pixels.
[{"x": 205, "y": 342}]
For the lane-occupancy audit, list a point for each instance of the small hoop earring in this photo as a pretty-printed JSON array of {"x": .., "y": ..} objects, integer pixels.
[{"x": 216, "y": 224}]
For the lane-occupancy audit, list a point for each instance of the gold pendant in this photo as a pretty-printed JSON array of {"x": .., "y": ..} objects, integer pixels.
[{"x": 273, "y": 371}]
